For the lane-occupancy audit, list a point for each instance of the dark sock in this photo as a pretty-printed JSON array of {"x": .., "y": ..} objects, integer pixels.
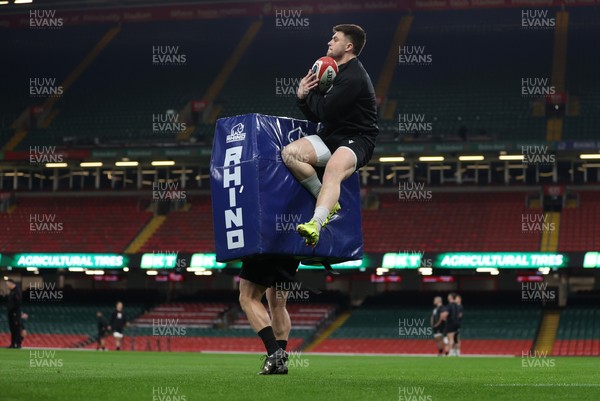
[
  {"x": 268, "y": 338},
  {"x": 282, "y": 344}
]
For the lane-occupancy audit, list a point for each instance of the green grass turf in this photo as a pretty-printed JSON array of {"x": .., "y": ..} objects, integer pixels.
[{"x": 132, "y": 376}]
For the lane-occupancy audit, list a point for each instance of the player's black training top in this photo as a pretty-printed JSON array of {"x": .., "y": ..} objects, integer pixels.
[
  {"x": 13, "y": 305},
  {"x": 117, "y": 321},
  {"x": 460, "y": 313},
  {"x": 347, "y": 108},
  {"x": 437, "y": 311},
  {"x": 102, "y": 325},
  {"x": 453, "y": 319}
]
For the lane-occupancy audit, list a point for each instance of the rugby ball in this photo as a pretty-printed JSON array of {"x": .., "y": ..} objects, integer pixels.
[{"x": 326, "y": 70}]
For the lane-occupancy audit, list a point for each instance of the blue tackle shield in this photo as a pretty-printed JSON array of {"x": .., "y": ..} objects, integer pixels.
[{"x": 257, "y": 203}]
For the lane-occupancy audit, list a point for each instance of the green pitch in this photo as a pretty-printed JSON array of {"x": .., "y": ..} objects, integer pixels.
[{"x": 147, "y": 376}]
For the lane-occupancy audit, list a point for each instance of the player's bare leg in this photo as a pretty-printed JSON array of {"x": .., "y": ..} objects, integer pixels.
[
  {"x": 450, "y": 344},
  {"x": 250, "y": 301},
  {"x": 439, "y": 342},
  {"x": 280, "y": 318},
  {"x": 340, "y": 166},
  {"x": 300, "y": 157}
]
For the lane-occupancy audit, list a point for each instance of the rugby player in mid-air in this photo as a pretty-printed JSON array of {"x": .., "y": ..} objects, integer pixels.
[
  {"x": 258, "y": 276},
  {"x": 438, "y": 323},
  {"x": 348, "y": 112}
]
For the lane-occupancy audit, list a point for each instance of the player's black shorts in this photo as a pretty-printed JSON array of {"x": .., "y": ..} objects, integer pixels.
[
  {"x": 438, "y": 330},
  {"x": 268, "y": 271},
  {"x": 359, "y": 144},
  {"x": 452, "y": 328}
]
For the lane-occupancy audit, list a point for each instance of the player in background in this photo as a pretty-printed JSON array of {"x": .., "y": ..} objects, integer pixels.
[
  {"x": 348, "y": 112},
  {"x": 13, "y": 308},
  {"x": 102, "y": 329},
  {"x": 452, "y": 322},
  {"x": 24, "y": 316},
  {"x": 438, "y": 323},
  {"x": 456, "y": 349},
  {"x": 117, "y": 324},
  {"x": 257, "y": 278}
]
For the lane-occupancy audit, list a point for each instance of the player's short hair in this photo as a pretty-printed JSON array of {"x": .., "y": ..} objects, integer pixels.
[
  {"x": 355, "y": 33},
  {"x": 452, "y": 295}
]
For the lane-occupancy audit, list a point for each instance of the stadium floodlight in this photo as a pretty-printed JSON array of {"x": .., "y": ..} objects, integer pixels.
[
  {"x": 3, "y": 3},
  {"x": 471, "y": 158},
  {"x": 163, "y": 163},
  {"x": 23, "y": 1},
  {"x": 431, "y": 158},
  {"x": 56, "y": 165},
  {"x": 90, "y": 164},
  {"x": 589, "y": 156},
  {"x": 426, "y": 271},
  {"x": 76, "y": 269},
  {"x": 492, "y": 270},
  {"x": 391, "y": 159},
  {"x": 152, "y": 273},
  {"x": 544, "y": 270},
  {"x": 203, "y": 273},
  {"x": 32, "y": 269},
  {"x": 91, "y": 272},
  {"x": 511, "y": 157},
  {"x": 127, "y": 164},
  {"x": 126, "y": 269}
]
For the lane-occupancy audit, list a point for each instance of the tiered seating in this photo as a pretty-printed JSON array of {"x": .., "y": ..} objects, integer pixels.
[
  {"x": 579, "y": 227},
  {"x": 450, "y": 222},
  {"x": 305, "y": 317},
  {"x": 191, "y": 315},
  {"x": 47, "y": 340},
  {"x": 202, "y": 327},
  {"x": 379, "y": 329},
  {"x": 482, "y": 93},
  {"x": 81, "y": 224},
  {"x": 578, "y": 332},
  {"x": 582, "y": 78},
  {"x": 186, "y": 231},
  {"x": 62, "y": 324},
  {"x": 249, "y": 343},
  {"x": 116, "y": 98},
  {"x": 39, "y": 54},
  {"x": 114, "y": 102}
]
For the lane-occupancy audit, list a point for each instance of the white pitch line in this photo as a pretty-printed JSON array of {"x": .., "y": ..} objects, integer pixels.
[{"x": 544, "y": 385}]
